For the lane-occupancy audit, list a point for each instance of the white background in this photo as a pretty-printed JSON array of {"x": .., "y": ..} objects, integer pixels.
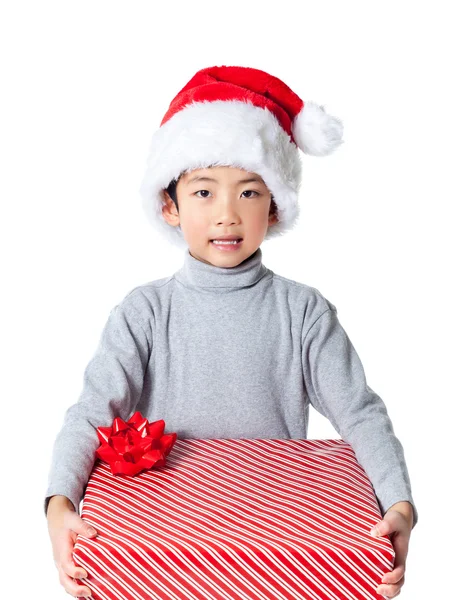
[{"x": 382, "y": 233}]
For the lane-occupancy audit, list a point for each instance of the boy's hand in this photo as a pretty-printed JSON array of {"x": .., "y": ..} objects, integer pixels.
[
  {"x": 64, "y": 525},
  {"x": 397, "y": 523}
]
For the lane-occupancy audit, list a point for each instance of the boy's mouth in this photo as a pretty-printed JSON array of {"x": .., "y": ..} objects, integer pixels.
[{"x": 226, "y": 244}]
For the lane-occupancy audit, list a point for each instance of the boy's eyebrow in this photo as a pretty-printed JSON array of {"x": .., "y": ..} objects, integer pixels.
[{"x": 248, "y": 180}]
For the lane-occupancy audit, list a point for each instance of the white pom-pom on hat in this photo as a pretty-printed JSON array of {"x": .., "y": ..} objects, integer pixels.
[{"x": 316, "y": 132}]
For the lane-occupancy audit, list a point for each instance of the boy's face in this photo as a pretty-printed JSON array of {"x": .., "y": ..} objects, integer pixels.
[{"x": 223, "y": 204}]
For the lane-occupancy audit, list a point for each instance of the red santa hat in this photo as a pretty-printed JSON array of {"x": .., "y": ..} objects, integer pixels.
[{"x": 240, "y": 117}]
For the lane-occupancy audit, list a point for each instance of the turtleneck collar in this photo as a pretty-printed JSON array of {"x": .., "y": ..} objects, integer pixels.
[{"x": 198, "y": 274}]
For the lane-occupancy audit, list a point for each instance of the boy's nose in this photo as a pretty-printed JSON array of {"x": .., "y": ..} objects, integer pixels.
[{"x": 226, "y": 213}]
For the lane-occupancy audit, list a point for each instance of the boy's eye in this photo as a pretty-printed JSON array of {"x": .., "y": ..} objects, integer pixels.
[{"x": 246, "y": 191}]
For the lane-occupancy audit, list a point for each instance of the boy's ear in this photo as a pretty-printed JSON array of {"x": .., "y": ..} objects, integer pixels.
[
  {"x": 273, "y": 215},
  {"x": 169, "y": 211},
  {"x": 272, "y": 219}
]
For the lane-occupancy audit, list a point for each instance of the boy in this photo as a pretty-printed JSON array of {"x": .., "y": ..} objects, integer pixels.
[{"x": 225, "y": 348}]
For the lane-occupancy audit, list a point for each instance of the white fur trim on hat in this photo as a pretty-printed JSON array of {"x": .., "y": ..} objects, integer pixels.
[{"x": 223, "y": 133}]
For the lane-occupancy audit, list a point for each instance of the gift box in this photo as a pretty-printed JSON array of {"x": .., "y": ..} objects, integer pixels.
[{"x": 243, "y": 519}]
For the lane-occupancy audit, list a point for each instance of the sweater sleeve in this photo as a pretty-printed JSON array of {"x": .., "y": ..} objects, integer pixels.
[
  {"x": 336, "y": 385},
  {"x": 112, "y": 386}
]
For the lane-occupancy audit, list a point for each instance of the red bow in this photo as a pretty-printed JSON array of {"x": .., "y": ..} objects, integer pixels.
[{"x": 132, "y": 446}]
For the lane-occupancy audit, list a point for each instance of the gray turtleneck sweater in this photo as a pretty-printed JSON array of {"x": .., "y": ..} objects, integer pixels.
[{"x": 228, "y": 353}]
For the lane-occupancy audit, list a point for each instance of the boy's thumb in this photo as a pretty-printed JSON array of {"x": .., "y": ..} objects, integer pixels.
[
  {"x": 380, "y": 529},
  {"x": 81, "y": 527}
]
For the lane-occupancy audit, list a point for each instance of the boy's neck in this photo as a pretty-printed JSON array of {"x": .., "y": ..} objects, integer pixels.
[{"x": 198, "y": 274}]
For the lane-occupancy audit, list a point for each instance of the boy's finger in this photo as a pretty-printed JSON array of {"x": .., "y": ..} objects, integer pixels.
[
  {"x": 400, "y": 545},
  {"x": 74, "y": 571},
  {"x": 394, "y": 576},
  {"x": 72, "y": 587},
  {"x": 66, "y": 564},
  {"x": 390, "y": 590}
]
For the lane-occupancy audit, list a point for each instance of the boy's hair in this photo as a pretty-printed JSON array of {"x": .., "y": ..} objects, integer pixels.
[{"x": 171, "y": 190}]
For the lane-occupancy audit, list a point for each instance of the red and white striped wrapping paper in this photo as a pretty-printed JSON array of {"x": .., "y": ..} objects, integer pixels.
[{"x": 243, "y": 519}]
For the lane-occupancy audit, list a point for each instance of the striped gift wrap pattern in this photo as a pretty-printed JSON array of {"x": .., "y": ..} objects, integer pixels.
[{"x": 240, "y": 519}]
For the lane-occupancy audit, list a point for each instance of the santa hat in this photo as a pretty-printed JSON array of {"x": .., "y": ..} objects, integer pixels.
[{"x": 240, "y": 117}]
